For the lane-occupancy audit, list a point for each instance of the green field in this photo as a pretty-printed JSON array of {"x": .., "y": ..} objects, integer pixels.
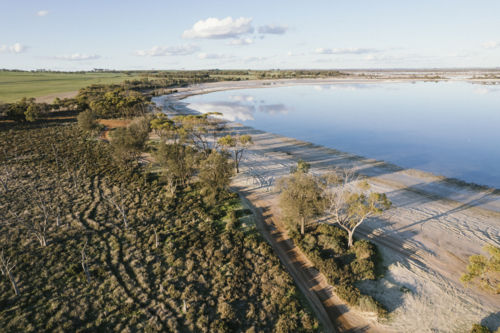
[{"x": 16, "y": 85}]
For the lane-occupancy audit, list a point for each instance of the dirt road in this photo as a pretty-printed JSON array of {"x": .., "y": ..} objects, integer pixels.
[{"x": 333, "y": 313}]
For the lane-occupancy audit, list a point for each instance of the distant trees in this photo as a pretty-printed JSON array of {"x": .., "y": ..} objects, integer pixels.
[
  {"x": 237, "y": 145},
  {"x": 484, "y": 270},
  {"x": 26, "y": 110}
]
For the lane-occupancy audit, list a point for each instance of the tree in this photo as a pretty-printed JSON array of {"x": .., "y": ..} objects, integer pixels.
[
  {"x": 129, "y": 143},
  {"x": 25, "y": 110},
  {"x": 215, "y": 175},
  {"x": 199, "y": 130},
  {"x": 302, "y": 166},
  {"x": 237, "y": 145},
  {"x": 85, "y": 264},
  {"x": 350, "y": 207},
  {"x": 177, "y": 160},
  {"x": 121, "y": 209},
  {"x": 300, "y": 197},
  {"x": 484, "y": 271},
  {"x": 163, "y": 127},
  {"x": 87, "y": 122},
  {"x": 6, "y": 268}
]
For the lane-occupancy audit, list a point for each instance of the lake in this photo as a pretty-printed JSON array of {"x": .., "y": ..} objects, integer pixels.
[{"x": 447, "y": 128}]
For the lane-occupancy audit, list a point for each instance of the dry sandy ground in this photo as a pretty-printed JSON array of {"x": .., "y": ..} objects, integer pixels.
[
  {"x": 110, "y": 124},
  {"x": 50, "y": 98},
  {"x": 425, "y": 241}
]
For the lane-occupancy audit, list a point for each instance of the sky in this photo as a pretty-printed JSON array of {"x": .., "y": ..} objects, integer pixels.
[{"x": 335, "y": 34}]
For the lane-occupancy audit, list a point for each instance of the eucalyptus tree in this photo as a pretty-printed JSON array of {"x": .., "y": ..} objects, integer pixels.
[
  {"x": 348, "y": 202},
  {"x": 164, "y": 127},
  {"x": 215, "y": 175},
  {"x": 237, "y": 145},
  {"x": 87, "y": 122},
  {"x": 300, "y": 198},
  {"x": 202, "y": 131}
]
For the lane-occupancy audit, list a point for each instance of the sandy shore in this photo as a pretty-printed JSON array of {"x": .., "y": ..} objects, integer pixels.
[{"x": 425, "y": 241}]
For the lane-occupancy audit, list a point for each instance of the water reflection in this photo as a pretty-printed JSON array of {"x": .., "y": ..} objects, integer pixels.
[
  {"x": 242, "y": 109},
  {"x": 448, "y": 129},
  {"x": 232, "y": 110},
  {"x": 242, "y": 98},
  {"x": 274, "y": 109},
  {"x": 343, "y": 87}
]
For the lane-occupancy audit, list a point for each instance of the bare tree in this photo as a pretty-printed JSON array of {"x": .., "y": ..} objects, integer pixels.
[
  {"x": 39, "y": 230},
  {"x": 74, "y": 171},
  {"x": 156, "y": 238},
  {"x": 347, "y": 201},
  {"x": 85, "y": 265},
  {"x": 8, "y": 173},
  {"x": 7, "y": 270},
  {"x": 237, "y": 145},
  {"x": 120, "y": 209},
  {"x": 7, "y": 176}
]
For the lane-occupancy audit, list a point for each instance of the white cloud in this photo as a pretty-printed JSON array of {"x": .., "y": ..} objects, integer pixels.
[
  {"x": 42, "y": 13},
  {"x": 490, "y": 45},
  {"x": 251, "y": 59},
  {"x": 213, "y": 28},
  {"x": 274, "y": 29},
  {"x": 240, "y": 41},
  {"x": 350, "y": 50},
  {"x": 76, "y": 57},
  {"x": 213, "y": 56},
  {"x": 16, "y": 48},
  {"x": 327, "y": 60},
  {"x": 289, "y": 53},
  {"x": 385, "y": 57},
  {"x": 181, "y": 49}
]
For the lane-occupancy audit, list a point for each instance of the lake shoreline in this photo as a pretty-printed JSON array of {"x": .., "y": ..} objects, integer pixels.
[{"x": 437, "y": 223}]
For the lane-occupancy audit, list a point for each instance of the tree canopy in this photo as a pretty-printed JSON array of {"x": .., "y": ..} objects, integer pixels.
[{"x": 483, "y": 271}]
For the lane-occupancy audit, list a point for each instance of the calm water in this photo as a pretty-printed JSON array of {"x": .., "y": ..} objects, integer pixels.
[{"x": 451, "y": 129}]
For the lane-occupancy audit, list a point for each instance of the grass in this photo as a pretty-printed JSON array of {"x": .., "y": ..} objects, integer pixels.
[{"x": 16, "y": 85}]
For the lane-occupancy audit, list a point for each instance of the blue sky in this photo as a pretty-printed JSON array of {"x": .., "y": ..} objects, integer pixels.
[{"x": 71, "y": 35}]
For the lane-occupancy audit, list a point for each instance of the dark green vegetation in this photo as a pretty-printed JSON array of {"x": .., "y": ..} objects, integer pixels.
[
  {"x": 182, "y": 265},
  {"x": 331, "y": 249},
  {"x": 327, "y": 248},
  {"x": 483, "y": 271},
  {"x": 478, "y": 328}
]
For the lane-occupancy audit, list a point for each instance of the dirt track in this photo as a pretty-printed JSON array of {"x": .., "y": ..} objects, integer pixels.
[
  {"x": 332, "y": 312},
  {"x": 110, "y": 124}
]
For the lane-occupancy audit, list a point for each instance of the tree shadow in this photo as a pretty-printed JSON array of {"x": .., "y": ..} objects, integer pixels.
[{"x": 492, "y": 321}]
